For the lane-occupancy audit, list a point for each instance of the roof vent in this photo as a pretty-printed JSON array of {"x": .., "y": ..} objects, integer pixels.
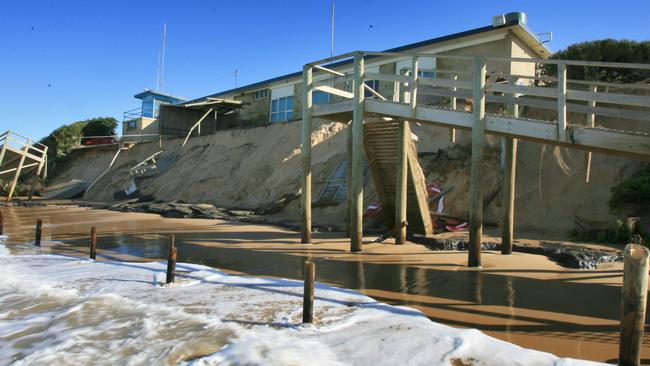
[
  {"x": 498, "y": 20},
  {"x": 509, "y": 18}
]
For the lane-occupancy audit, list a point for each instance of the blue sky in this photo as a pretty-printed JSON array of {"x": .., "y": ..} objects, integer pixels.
[{"x": 63, "y": 61}]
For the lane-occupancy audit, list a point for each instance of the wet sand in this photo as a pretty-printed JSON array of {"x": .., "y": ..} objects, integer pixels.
[{"x": 524, "y": 299}]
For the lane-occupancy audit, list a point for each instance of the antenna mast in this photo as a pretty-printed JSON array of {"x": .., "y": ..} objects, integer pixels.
[
  {"x": 332, "y": 35},
  {"x": 161, "y": 60}
]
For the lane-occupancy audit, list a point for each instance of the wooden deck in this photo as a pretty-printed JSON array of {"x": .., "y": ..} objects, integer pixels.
[{"x": 580, "y": 114}]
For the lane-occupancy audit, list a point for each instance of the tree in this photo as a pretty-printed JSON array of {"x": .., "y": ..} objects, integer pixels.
[
  {"x": 61, "y": 140},
  {"x": 604, "y": 50},
  {"x": 102, "y": 126}
]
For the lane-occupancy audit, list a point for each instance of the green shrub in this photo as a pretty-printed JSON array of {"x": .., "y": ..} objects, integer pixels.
[
  {"x": 617, "y": 232},
  {"x": 634, "y": 191},
  {"x": 61, "y": 140}
]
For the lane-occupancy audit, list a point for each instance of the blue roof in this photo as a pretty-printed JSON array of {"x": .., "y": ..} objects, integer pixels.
[{"x": 159, "y": 95}]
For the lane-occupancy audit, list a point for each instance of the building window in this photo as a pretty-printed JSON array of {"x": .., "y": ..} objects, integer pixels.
[
  {"x": 431, "y": 74},
  {"x": 131, "y": 125},
  {"x": 282, "y": 109},
  {"x": 261, "y": 94},
  {"x": 148, "y": 107},
  {"x": 374, "y": 85},
  {"x": 320, "y": 97}
]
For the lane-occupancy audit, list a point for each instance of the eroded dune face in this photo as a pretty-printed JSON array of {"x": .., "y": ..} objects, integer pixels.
[{"x": 249, "y": 168}]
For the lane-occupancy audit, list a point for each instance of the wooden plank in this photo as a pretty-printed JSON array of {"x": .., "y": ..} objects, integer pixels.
[
  {"x": 24, "y": 153},
  {"x": 331, "y": 90},
  {"x": 329, "y": 71},
  {"x": 446, "y": 83},
  {"x": 419, "y": 192},
  {"x": 343, "y": 106},
  {"x": 637, "y": 115},
  {"x": 524, "y": 90},
  {"x": 424, "y": 114},
  {"x": 561, "y": 102},
  {"x": 401, "y": 181},
  {"x": 198, "y": 123},
  {"x": 591, "y": 122},
  {"x": 624, "y": 99},
  {"x": 14, "y": 169},
  {"x": 334, "y": 80},
  {"x": 413, "y": 85}
]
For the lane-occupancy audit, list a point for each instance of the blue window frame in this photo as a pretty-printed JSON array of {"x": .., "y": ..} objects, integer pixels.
[
  {"x": 320, "y": 97},
  {"x": 147, "y": 107},
  {"x": 427, "y": 74},
  {"x": 282, "y": 109}
]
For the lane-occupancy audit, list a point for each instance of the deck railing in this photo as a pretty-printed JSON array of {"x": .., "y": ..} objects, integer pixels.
[{"x": 594, "y": 101}]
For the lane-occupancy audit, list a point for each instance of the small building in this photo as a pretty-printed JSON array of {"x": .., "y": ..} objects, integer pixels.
[
  {"x": 143, "y": 120},
  {"x": 278, "y": 99}
]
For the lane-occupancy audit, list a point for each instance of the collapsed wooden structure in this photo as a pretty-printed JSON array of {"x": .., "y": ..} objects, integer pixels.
[
  {"x": 389, "y": 153},
  {"x": 20, "y": 155},
  {"x": 187, "y": 118}
]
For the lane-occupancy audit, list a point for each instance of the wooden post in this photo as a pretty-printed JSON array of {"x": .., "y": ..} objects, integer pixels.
[
  {"x": 508, "y": 206},
  {"x": 561, "y": 102},
  {"x": 305, "y": 154},
  {"x": 476, "y": 178},
  {"x": 42, "y": 163},
  {"x": 171, "y": 260},
  {"x": 18, "y": 171},
  {"x": 452, "y": 105},
  {"x": 308, "y": 292},
  {"x": 93, "y": 243},
  {"x": 5, "y": 143},
  {"x": 2, "y": 223},
  {"x": 413, "y": 85},
  {"x": 348, "y": 213},
  {"x": 401, "y": 185},
  {"x": 38, "y": 233},
  {"x": 591, "y": 122},
  {"x": 633, "y": 304},
  {"x": 356, "y": 236},
  {"x": 509, "y": 179}
]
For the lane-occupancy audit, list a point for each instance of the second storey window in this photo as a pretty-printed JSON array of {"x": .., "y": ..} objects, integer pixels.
[
  {"x": 261, "y": 94},
  {"x": 282, "y": 109}
]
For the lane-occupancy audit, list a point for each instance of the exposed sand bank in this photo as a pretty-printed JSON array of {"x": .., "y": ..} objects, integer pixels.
[
  {"x": 249, "y": 168},
  {"x": 525, "y": 299}
]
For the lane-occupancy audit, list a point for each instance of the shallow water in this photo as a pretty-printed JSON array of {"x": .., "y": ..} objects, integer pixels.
[{"x": 539, "y": 305}]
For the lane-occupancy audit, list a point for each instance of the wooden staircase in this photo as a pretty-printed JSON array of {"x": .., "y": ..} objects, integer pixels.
[{"x": 381, "y": 141}]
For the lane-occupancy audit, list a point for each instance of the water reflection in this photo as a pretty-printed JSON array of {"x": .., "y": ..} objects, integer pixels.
[{"x": 538, "y": 308}]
